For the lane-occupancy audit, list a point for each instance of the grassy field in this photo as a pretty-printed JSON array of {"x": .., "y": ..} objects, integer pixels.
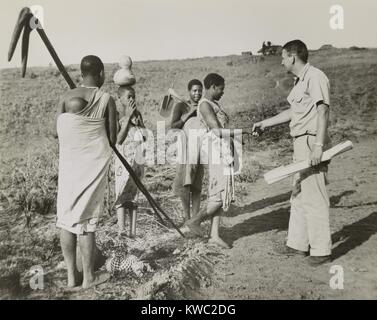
[{"x": 255, "y": 89}]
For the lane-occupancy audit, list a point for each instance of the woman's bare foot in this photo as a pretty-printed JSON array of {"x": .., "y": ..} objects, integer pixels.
[
  {"x": 218, "y": 242},
  {"x": 100, "y": 277},
  {"x": 195, "y": 228},
  {"x": 74, "y": 279}
]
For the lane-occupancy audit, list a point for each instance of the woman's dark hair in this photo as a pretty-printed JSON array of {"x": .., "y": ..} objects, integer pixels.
[
  {"x": 91, "y": 65},
  {"x": 213, "y": 79},
  {"x": 194, "y": 82}
]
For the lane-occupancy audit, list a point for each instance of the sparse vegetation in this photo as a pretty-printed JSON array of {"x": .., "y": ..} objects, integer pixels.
[{"x": 29, "y": 153}]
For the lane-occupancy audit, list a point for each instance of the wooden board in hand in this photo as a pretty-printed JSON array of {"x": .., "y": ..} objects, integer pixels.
[{"x": 283, "y": 172}]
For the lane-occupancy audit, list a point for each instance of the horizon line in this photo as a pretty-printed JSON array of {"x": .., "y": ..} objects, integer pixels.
[{"x": 180, "y": 59}]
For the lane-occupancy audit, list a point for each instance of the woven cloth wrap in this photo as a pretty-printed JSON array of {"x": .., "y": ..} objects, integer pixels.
[
  {"x": 219, "y": 156},
  {"x": 125, "y": 187},
  {"x": 84, "y": 158}
]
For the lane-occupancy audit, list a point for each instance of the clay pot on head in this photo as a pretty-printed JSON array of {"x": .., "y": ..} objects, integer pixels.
[{"x": 124, "y": 76}]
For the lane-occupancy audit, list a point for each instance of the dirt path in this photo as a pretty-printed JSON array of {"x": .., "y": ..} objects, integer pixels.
[
  {"x": 253, "y": 271},
  {"x": 191, "y": 269}
]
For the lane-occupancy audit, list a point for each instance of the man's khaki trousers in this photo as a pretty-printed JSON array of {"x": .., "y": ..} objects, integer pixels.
[{"x": 309, "y": 226}]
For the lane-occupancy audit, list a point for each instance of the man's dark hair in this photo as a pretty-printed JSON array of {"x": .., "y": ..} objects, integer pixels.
[
  {"x": 299, "y": 48},
  {"x": 91, "y": 65},
  {"x": 213, "y": 79},
  {"x": 194, "y": 82}
]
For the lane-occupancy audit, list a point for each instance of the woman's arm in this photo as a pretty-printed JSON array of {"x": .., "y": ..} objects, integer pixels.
[
  {"x": 209, "y": 116},
  {"x": 124, "y": 129},
  {"x": 214, "y": 125},
  {"x": 140, "y": 119},
  {"x": 125, "y": 122},
  {"x": 60, "y": 110},
  {"x": 211, "y": 120},
  {"x": 178, "y": 111}
]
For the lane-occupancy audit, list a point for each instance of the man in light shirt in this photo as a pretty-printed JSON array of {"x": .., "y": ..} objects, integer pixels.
[{"x": 309, "y": 227}]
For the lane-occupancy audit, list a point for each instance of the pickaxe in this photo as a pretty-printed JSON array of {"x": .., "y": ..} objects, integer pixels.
[{"x": 27, "y": 22}]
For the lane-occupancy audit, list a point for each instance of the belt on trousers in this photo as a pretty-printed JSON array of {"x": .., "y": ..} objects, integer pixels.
[{"x": 305, "y": 134}]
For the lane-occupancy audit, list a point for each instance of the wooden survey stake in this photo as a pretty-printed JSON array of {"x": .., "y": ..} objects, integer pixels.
[{"x": 283, "y": 172}]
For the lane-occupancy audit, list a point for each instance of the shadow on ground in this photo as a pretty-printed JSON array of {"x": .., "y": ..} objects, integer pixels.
[
  {"x": 353, "y": 235},
  {"x": 257, "y": 205},
  {"x": 278, "y": 219},
  {"x": 274, "y": 220},
  {"x": 334, "y": 200}
]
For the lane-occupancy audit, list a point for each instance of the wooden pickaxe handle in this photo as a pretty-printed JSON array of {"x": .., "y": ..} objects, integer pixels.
[
  {"x": 23, "y": 22},
  {"x": 55, "y": 57}
]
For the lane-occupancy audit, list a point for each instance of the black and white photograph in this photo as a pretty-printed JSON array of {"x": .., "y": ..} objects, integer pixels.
[{"x": 203, "y": 150}]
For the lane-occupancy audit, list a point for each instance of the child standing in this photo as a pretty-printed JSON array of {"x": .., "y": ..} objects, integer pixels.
[{"x": 129, "y": 139}]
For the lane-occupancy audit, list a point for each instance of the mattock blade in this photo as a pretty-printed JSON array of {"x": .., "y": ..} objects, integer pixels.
[
  {"x": 25, "y": 46},
  {"x": 23, "y": 19},
  {"x": 28, "y": 22}
]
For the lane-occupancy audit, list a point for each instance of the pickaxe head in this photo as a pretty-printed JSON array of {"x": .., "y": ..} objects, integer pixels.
[{"x": 26, "y": 21}]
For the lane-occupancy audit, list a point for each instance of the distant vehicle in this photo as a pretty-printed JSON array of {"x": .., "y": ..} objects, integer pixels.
[{"x": 270, "y": 49}]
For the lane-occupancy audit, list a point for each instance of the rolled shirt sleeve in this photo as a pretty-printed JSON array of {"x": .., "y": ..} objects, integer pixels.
[{"x": 319, "y": 88}]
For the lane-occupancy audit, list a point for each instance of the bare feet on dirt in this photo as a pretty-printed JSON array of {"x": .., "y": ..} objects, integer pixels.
[
  {"x": 219, "y": 242},
  {"x": 195, "y": 228},
  {"x": 98, "y": 279},
  {"x": 74, "y": 280}
]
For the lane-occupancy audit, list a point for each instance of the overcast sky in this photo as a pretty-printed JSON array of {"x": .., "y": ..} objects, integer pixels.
[{"x": 170, "y": 29}]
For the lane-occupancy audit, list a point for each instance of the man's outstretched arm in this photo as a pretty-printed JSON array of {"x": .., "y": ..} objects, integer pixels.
[{"x": 282, "y": 117}]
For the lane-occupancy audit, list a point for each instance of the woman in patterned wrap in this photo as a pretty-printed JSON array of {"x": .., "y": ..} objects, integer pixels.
[{"x": 218, "y": 147}]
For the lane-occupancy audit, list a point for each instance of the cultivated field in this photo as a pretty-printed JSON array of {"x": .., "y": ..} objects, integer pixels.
[{"x": 255, "y": 88}]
